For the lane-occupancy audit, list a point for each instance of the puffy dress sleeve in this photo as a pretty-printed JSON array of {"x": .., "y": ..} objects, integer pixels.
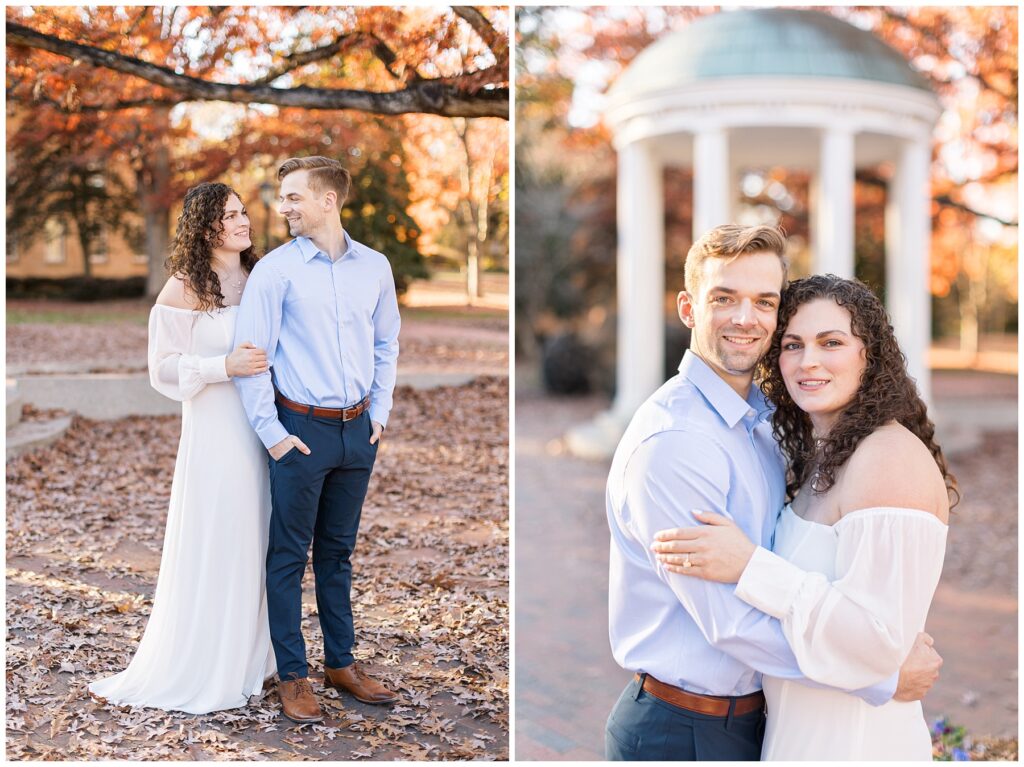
[
  {"x": 857, "y": 630},
  {"x": 173, "y": 370}
]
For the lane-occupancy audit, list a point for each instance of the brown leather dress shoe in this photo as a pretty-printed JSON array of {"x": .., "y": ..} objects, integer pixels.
[
  {"x": 353, "y": 680},
  {"x": 298, "y": 702}
]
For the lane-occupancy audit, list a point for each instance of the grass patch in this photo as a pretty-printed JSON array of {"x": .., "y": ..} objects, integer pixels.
[
  {"x": 94, "y": 316},
  {"x": 468, "y": 314},
  {"x": 137, "y": 313}
]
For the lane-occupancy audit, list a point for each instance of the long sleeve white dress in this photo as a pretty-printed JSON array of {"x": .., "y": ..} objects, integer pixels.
[
  {"x": 206, "y": 646},
  {"x": 851, "y": 598}
]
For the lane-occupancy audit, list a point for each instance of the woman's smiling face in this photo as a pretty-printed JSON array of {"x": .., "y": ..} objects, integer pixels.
[{"x": 822, "y": 361}]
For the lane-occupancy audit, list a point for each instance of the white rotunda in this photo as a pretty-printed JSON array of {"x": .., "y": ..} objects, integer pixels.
[{"x": 756, "y": 88}]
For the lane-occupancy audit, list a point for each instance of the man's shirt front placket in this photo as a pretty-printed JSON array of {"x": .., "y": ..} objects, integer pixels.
[
  {"x": 767, "y": 469},
  {"x": 337, "y": 288},
  {"x": 773, "y": 472}
]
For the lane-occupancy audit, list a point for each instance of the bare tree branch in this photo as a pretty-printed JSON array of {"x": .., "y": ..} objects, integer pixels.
[
  {"x": 79, "y": 107},
  {"x": 949, "y": 202},
  {"x": 942, "y": 199},
  {"x": 497, "y": 42},
  {"x": 388, "y": 57},
  {"x": 440, "y": 97},
  {"x": 135, "y": 24},
  {"x": 300, "y": 58}
]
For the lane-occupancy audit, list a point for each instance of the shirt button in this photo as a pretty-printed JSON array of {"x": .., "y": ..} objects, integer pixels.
[{"x": 751, "y": 414}]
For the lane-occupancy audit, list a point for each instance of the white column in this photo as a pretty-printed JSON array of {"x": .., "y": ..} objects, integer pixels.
[
  {"x": 640, "y": 277},
  {"x": 814, "y": 216},
  {"x": 712, "y": 198},
  {"x": 834, "y": 206},
  {"x": 908, "y": 231},
  {"x": 734, "y": 189}
]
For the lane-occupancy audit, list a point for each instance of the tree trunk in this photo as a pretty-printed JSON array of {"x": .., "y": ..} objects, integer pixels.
[
  {"x": 472, "y": 271},
  {"x": 973, "y": 278},
  {"x": 480, "y": 234},
  {"x": 85, "y": 243},
  {"x": 79, "y": 213},
  {"x": 154, "y": 197},
  {"x": 968, "y": 321},
  {"x": 475, "y": 213}
]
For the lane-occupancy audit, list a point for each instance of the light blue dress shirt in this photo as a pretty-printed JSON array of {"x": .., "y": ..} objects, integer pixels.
[
  {"x": 330, "y": 331},
  {"x": 696, "y": 445}
]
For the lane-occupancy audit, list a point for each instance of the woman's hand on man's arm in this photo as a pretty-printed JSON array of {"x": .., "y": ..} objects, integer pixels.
[{"x": 716, "y": 551}]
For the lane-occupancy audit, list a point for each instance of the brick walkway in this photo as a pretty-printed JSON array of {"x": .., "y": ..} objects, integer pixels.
[{"x": 565, "y": 678}]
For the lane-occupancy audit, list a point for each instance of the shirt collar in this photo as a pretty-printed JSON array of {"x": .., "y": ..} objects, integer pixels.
[
  {"x": 722, "y": 397},
  {"x": 309, "y": 251}
]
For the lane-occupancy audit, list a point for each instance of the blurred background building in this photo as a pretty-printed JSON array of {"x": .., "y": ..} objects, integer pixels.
[
  {"x": 883, "y": 141},
  {"x": 639, "y": 128}
]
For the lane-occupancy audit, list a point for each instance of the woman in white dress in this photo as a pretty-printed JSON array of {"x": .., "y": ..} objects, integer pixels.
[
  {"x": 859, "y": 550},
  {"x": 206, "y": 646}
]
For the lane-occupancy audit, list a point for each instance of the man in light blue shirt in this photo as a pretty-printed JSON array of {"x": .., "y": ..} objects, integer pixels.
[
  {"x": 704, "y": 441},
  {"x": 324, "y": 308}
]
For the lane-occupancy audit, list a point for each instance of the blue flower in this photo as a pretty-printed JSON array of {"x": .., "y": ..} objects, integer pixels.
[
  {"x": 940, "y": 725},
  {"x": 959, "y": 755}
]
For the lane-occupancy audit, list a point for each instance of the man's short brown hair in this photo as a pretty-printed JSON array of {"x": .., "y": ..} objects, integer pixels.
[
  {"x": 325, "y": 174},
  {"x": 730, "y": 241}
]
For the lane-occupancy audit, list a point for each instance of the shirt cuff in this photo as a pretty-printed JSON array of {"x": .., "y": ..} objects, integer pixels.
[
  {"x": 881, "y": 693},
  {"x": 272, "y": 434},
  {"x": 379, "y": 414},
  {"x": 214, "y": 369},
  {"x": 769, "y": 583}
]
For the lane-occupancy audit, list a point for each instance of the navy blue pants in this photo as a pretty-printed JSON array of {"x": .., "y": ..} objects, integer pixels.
[
  {"x": 319, "y": 498},
  {"x": 642, "y": 728}
]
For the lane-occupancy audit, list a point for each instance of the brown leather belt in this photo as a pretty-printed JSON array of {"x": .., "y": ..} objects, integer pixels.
[
  {"x": 712, "y": 705},
  {"x": 343, "y": 414}
]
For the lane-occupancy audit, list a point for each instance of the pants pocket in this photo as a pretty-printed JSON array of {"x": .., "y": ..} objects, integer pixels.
[
  {"x": 619, "y": 744},
  {"x": 369, "y": 433},
  {"x": 287, "y": 457}
]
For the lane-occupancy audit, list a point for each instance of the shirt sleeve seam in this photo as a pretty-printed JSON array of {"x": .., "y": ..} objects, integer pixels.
[{"x": 686, "y": 429}]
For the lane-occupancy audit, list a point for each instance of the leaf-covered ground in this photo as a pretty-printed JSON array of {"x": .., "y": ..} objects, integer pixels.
[{"x": 85, "y": 524}]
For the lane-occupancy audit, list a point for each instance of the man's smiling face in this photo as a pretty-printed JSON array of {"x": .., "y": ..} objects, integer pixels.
[
  {"x": 734, "y": 313},
  {"x": 304, "y": 210}
]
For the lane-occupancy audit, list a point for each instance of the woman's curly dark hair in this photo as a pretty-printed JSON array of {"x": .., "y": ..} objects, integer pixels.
[
  {"x": 198, "y": 233},
  {"x": 886, "y": 393}
]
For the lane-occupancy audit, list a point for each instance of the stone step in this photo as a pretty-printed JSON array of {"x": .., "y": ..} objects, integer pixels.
[
  {"x": 960, "y": 426},
  {"x": 988, "y": 413},
  {"x": 31, "y": 435},
  {"x": 958, "y": 438},
  {"x": 14, "y": 403},
  {"x": 64, "y": 367},
  {"x": 99, "y": 395}
]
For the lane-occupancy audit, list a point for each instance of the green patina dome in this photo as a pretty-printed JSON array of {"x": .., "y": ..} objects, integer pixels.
[{"x": 768, "y": 42}]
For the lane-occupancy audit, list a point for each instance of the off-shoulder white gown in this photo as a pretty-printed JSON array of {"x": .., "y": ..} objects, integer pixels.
[
  {"x": 851, "y": 598},
  {"x": 206, "y": 646}
]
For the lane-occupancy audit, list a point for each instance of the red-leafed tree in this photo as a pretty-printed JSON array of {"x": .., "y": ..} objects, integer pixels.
[
  {"x": 307, "y": 80},
  {"x": 566, "y": 170}
]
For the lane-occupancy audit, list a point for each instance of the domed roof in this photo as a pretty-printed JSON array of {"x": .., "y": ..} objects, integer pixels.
[{"x": 765, "y": 42}]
